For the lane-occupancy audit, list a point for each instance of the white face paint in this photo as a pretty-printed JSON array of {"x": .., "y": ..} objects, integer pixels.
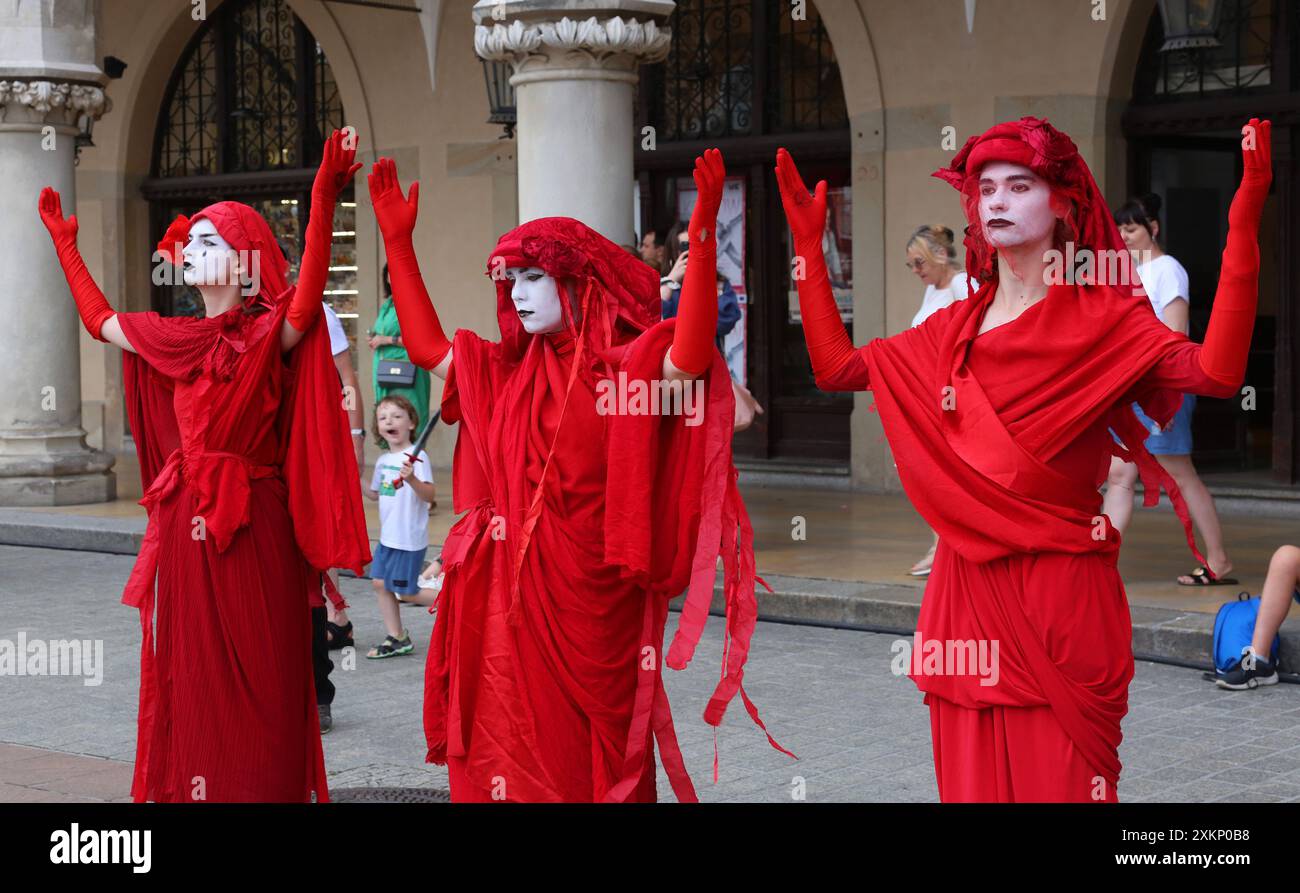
[
  {"x": 1015, "y": 205},
  {"x": 537, "y": 299},
  {"x": 208, "y": 258}
]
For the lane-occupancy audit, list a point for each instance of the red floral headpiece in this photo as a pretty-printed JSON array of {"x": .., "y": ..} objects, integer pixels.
[
  {"x": 246, "y": 230},
  {"x": 625, "y": 289},
  {"x": 1052, "y": 155}
]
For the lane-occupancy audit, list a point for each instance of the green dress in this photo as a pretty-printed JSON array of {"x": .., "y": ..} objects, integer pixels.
[{"x": 386, "y": 324}]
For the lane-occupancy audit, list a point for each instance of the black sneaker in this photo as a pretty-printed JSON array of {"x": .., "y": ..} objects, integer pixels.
[
  {"x": 326, "y": 721},
  {"x": 1251, "y": 671}
]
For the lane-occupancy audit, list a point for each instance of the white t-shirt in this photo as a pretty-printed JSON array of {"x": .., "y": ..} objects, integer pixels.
[
  {"x": 959, "y": 289},
  {"x": 338, "y": 337},
  {"x": 403, "y": 516},
  {"x": 1164, "y": 281}
]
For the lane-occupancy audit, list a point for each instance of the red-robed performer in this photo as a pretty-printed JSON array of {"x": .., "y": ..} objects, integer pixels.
[
  {"x": 997, "y": 410},
  {"x": 583, "y": 519},
  {"x": 251, "y": 490}
]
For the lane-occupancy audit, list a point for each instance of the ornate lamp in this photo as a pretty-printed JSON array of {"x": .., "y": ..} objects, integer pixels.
[
  {"x": 1190, "y": 24},
  {"x": 501, "y": 95}
]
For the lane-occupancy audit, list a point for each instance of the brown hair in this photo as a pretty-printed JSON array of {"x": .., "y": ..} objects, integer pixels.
[{"x": 401, "y": 403}]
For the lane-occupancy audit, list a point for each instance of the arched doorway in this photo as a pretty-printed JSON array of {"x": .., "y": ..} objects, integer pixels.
[
  {"x": 747, "y": 77},
  {"x": 1183, "y": 131},
  {"x": 245, "y": 117}
]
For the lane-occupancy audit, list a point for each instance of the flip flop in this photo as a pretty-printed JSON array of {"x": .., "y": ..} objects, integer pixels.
[{"x": 1202, "y": 577}]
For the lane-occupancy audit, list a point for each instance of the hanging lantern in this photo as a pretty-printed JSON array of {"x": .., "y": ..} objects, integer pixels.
[
  {"x": 1190, "y": 24},
  {"x": 501, "y": 95}
]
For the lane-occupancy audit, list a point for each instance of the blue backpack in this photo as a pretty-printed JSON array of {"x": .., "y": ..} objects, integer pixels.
[{"x": 1234, "y": 627}]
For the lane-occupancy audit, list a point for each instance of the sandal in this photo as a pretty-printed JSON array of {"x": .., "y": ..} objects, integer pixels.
[
  {"x": 339, "y": 636},
  {"x": 391, "y": 647},
  {"x": 1203, "y": 577}
]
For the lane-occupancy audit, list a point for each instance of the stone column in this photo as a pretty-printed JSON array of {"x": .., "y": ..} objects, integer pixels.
[
  {"x": 575, "y": 73},
  {"x": 48, "y": 83}
]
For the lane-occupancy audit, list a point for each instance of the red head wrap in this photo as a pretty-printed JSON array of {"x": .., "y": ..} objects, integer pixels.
[
  {"x": 247, "y": 231},
  {"x": 1052, "y": 155},
  {"x": 619, "y": 290}
]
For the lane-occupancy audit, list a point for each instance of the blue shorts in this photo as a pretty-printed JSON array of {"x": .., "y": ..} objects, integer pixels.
[
  {"x": 1177, "y": 440},
  {"x": 398, "y": 568}
]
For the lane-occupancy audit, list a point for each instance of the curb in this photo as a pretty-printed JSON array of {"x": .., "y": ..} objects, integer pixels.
[{"x": 1161, "y": 634}]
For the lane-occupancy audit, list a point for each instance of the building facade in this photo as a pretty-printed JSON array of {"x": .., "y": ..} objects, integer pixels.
[{"x": 871, "y": 95}]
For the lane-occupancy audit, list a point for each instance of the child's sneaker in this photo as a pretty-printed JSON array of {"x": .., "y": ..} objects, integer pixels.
[
  {"x": 1251, "y": 671},
  {"x": 392, "y": 647}
]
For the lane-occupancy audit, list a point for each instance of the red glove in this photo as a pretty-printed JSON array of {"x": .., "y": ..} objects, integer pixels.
[
  {"x": 829, "y": 346},
  {"x": 91, "y": 303},
  {"x": 697, "y": 313},
  {"x": 1232, "y": 319},
  {"x": 422, "y": 333},
  {"x": 336, "y": 169}
]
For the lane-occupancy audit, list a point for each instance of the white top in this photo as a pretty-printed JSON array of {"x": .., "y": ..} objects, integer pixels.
[
  {"x": 403, "y": 516},
  {"x": 959, "y": 289},
  {"x": 338, "y": 337},
  {"x": 1164, "y": 280}
]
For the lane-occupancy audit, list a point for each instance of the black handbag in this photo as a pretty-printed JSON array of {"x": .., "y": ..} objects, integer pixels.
[{"x": 396, "y": 373}]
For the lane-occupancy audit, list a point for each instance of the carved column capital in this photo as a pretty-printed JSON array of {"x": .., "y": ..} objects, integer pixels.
[{"x": 40, "y": 102}]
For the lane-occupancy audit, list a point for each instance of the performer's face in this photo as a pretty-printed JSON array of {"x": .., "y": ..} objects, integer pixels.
[
  {"x": 537, "y": 299},
  {"x": 208, "y": 258},
  {"x": 1016, "y": 206}
]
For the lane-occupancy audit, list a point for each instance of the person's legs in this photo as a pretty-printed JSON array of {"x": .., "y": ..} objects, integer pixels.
[
  {"x": 1275, "y": 600},
  {"x": 425, "y": 597},
  {"x": 389, "y": 609},
  {"x": 1200, "y": 505},
  {"x": 320, "y": 656},
  {"x": 1117, "y": 503},
  {"x": 927, "y": 560}
]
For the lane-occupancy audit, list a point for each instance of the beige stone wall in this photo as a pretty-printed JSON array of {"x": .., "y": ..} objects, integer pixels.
[{"x": 909, "y": 69}]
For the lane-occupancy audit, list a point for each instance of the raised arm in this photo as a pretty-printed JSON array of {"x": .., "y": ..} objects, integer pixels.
[
  {"x": 97, "y": 316},
  {"x": 837, "y": 366},
  {"x": 336, "y": 168},
  {"x": 422, "y": 333},
  {"x": 697, "y": 310},
  {"x": 1232, "y": 318}
]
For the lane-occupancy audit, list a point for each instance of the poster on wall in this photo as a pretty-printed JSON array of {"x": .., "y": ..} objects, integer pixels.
[
  {"x": 837, "y": 248},
  {"x": 731, "y": 259}
]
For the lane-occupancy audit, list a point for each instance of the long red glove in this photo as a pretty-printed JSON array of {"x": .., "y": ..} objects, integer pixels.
[
  {"x": 829, "y": 346},
  {"x": 1232, "y": 319},
  {"x": 697, "y": 312},
  {"x": 422, "y": 333},
  {"x": 336, "y": 169},
  {"x": 91, "y": 303}
]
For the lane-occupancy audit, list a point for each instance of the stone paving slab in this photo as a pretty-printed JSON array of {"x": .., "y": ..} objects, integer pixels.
[
  {"x": 829, "y": 695},
  {"x": 1159, "y": 633}
]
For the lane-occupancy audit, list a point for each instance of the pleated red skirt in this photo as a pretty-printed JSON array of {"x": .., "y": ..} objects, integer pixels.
[
  {"x": 1044, "y": 725},
  {"x": 235, "y": 716}
]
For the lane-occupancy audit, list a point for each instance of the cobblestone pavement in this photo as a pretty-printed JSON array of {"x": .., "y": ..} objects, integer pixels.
[{"x": 861, "y": 733}]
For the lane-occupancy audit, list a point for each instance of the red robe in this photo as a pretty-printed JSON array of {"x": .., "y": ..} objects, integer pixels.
[
  {"x": 251, "y": 488},
  {"x": 1001, "y": 443},
  {"x": 552, "y": 690}
]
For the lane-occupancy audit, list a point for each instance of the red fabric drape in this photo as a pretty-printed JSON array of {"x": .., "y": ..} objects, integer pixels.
[
  {"x": 251, "y": 489},
  {"x": 544, "y": 676}
]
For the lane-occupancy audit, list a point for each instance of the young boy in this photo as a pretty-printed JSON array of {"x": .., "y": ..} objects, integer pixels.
[{"x": 405, "y": 491}]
